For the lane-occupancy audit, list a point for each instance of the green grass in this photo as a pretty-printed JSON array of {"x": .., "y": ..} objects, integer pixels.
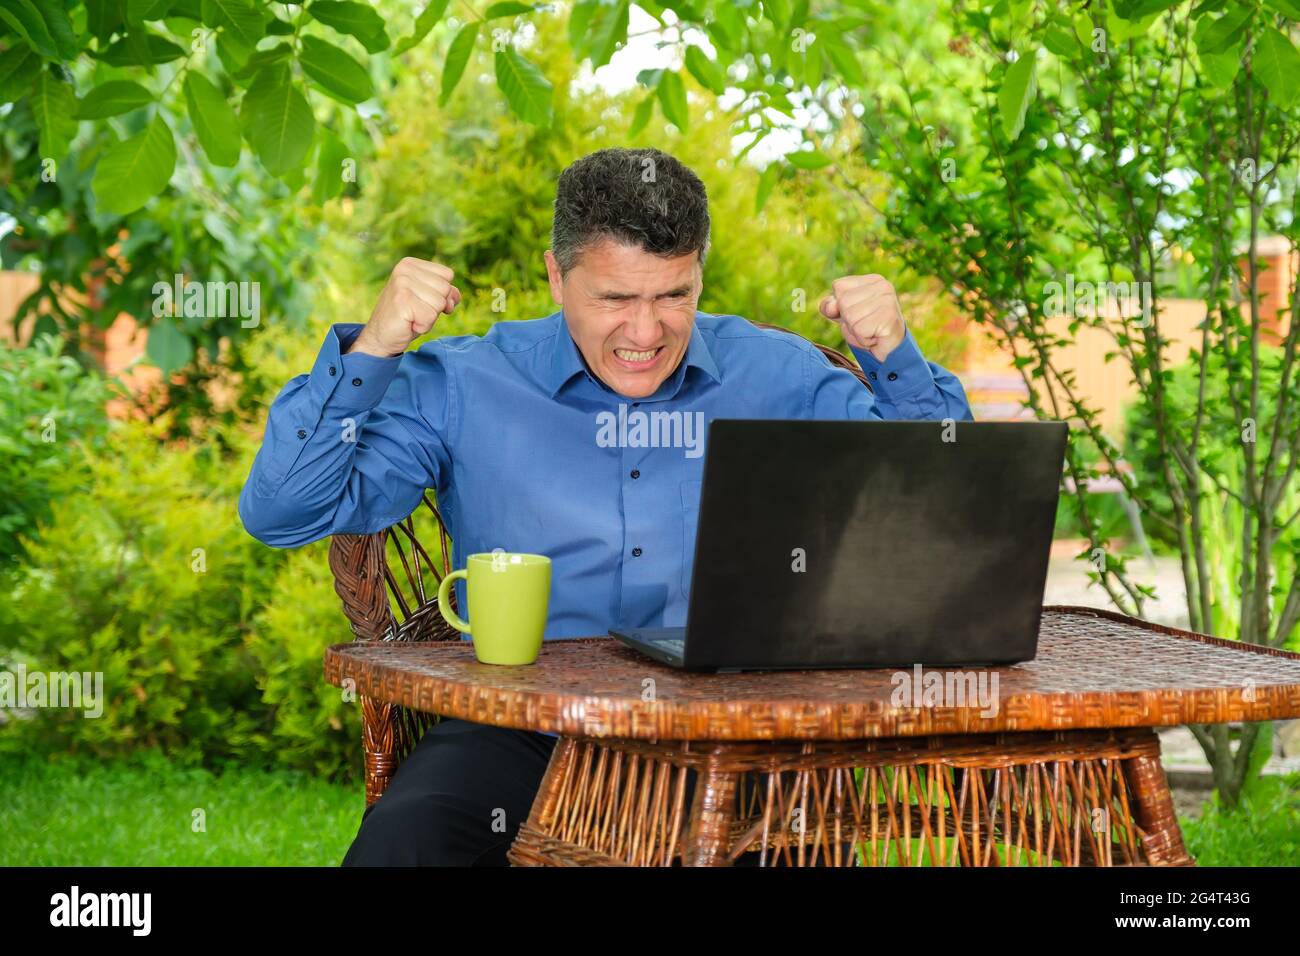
[
  {"x": 1263, "y": 831},
  {"x": 140, "y": 813},
  {"x": 82, "y": 812}
]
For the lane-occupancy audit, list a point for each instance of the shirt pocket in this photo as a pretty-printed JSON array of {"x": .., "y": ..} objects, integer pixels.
[{"x": 690, "y": 518}]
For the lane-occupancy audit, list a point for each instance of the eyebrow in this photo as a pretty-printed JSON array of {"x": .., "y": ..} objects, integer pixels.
[{"x": 683, "y": 289}]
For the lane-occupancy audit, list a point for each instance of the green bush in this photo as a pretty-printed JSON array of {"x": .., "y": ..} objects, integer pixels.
[
  {"x": 210, "y": 643},
  {"x": 49, "y": 408},
  {"x": 143, "y": 573},
  {"x": 312, "y": 726}
]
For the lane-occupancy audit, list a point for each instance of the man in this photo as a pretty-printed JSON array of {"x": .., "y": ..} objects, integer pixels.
[{"x": 511, "y": 430}]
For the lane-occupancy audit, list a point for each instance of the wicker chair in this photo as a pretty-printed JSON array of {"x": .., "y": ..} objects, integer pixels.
[{"x": 388, "y": 582}]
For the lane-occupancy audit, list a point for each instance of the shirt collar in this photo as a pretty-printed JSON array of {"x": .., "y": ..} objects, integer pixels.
[{"x": 567, "y": 361}]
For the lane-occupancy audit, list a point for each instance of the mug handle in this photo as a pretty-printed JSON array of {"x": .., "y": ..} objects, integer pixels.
[{"x": 444, "y": 595}]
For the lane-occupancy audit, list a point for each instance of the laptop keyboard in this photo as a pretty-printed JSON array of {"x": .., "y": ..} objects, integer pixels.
[{"x": 675, "y": 645}]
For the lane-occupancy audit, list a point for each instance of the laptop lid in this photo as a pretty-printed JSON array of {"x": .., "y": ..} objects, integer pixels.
[{"x": 841, "y": 544}]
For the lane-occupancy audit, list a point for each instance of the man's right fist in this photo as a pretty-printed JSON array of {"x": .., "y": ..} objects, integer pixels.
[{"x": 417, "y": 293}]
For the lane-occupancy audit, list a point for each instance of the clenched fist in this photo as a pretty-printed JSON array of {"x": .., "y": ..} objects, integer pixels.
[
  {"x": 417, "y": 293},
  {"x": 867, "y": 309}
]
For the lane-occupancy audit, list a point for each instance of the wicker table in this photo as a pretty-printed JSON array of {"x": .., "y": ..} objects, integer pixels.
[{"x": 817, "y": 768}]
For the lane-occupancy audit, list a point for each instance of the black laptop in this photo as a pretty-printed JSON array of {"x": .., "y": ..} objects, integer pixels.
[{"x": 867, "y": 544}]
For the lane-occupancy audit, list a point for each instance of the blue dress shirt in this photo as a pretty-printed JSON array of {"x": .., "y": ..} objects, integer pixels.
[{"x": 528, "y": 451}]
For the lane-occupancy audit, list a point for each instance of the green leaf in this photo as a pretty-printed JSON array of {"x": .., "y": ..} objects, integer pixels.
[
  {"x": 103, "y": 17},
  {"x": 18, "y": 66},
  {"x": 138, "y": 11},
  {"x": 644, "y": 110},
  {"x": 330, "y": 157},
  {"x": 579, "y": 21},
  {"x": 765, "y": 183},
  {"x": 507, "y": 8},
  {"x": 727, "y": 28},
  {"x": 707, "y": 73},
  {"x": 213, "y": 119},
  {"x": 277, "y": 121},
  {"x": 334, "y": 71},
  {"x": 1017, "y": 92},
  {"x": 425, "y": 22},
  {"x": 458, "y": 54},
  {"x": 133, "y": 171},
  {"x": 59, "y": 27},
  {"x": 113, "y": 99},
  {"x": 806, "y": 160},
  {"x": 672, "y": 99},
  {"x": 1221, "y": 69},
  {"x": 1277, "y": 64},
  {"x": 1083, "y": 27},
  {"x": 1288, "y": 8},
  {"x": 168, "y": 347},
  {"x": 845, "y": 61},
  {"x": 526, "y": 90},
  {"x": 27, "y": 22},
  {"x": 128, "y": 50},
  {"x": 1061, "y": 41},
  {"x": 53, "y": 106},
  {"x": 1140, "y": 9},
  {"x": 263, "y": 57},
  {"x": 778, "y": 11},
  {"x": 242, "y": 22},
  {"x": 608, "y": 30},
  {"x": 354, "y": 19},
  {"x": 1215, "y": 36}
]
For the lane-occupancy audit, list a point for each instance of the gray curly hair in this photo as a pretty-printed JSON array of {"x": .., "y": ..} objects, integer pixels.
[{"x": 642, "y": 197}]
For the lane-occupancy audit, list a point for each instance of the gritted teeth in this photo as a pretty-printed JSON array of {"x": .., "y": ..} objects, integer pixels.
[{"x": 628, "y": 355}]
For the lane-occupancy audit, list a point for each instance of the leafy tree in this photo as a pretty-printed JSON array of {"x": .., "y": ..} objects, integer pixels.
[{"x": 1097, "y": 143}]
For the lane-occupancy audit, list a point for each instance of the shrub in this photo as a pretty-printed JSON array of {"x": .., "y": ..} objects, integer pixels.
[
  {"x": 49, "y": 408},
  {"x": 143, "y": 573}
]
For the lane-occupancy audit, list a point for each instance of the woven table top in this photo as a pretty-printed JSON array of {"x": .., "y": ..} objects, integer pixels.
[{"x": 1094, "y": 668}]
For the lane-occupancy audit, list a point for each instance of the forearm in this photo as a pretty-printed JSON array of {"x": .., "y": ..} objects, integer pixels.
[{"x": 330, "y": 452}]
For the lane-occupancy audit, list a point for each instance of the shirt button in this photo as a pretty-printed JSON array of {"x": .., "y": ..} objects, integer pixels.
[
  {"x": 333, "y": 370},
  {"x": 636, "y": 473},
  {"x": 872, "y": 374},
  {"x": 892, "y": 376},
  {"x": 356, "y": 381},
  {"x": 636, "y": 552},
  {"x": 302, "y": 433}
]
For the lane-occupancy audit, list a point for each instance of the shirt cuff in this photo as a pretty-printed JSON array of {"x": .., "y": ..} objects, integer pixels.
[
  {"x": 902, "y": 374},
  {"x": 355, "y": 381}
]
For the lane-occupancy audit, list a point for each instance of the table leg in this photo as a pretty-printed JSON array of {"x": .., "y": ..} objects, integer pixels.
[
  {"x": 708, "y": 838},
  {"x": 1153, "y": 812}
]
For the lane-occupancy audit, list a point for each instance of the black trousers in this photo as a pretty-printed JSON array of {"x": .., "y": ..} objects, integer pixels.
[{"x": 459, "y": 798}]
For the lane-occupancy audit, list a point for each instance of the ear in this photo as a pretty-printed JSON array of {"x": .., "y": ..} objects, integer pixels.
[{"x": 553, "y": 276}]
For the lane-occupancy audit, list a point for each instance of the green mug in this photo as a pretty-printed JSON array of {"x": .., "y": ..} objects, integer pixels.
[{"x": 509, "y": 594}]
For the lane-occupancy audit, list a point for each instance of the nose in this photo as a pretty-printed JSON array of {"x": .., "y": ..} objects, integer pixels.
[{"x": 642, "y": 330}]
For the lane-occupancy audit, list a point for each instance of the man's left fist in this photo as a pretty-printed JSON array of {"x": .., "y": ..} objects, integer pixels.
[{"x": 866, "y": 307}]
